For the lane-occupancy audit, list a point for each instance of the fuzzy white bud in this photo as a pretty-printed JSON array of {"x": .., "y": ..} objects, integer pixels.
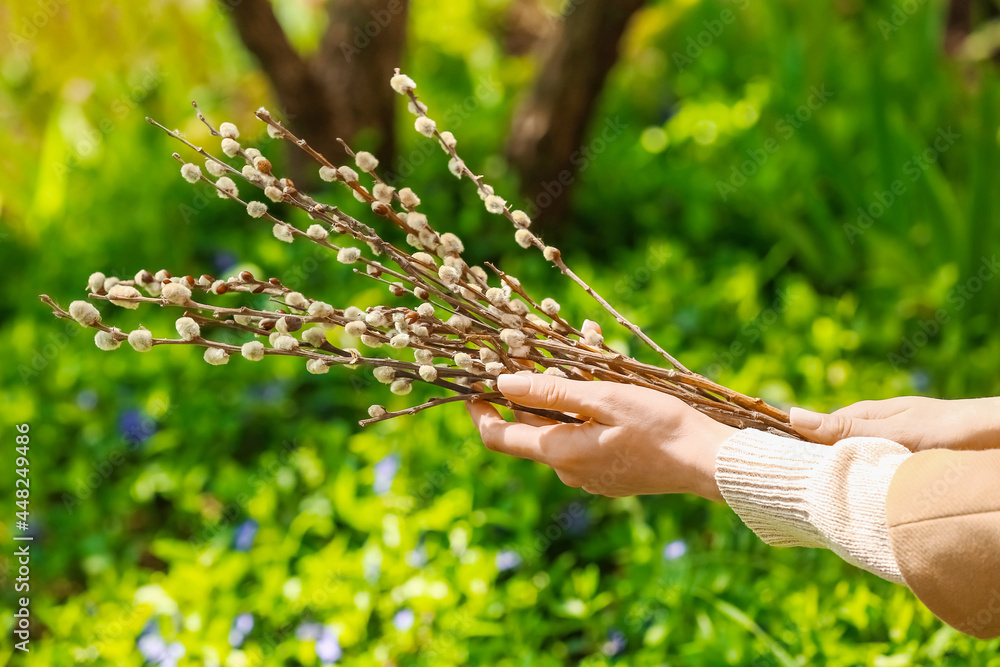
[
  {"x": 118, "y": 293},
  {"x": 176, "y": 293},
  {"x": 591, "y": 337},
  {"x": 521, "y": 219},
  {"x": 141, "y": 340},
  {"x": 348, "y": 175},
  {"x": 191, "y": 172},
  {"x": 494, "y": 368},
  {"x": 448, "y": 275},
  {"x": 216, "y": 356},
  {"x": 497, "y": 297},
  {"x": 425, "y": 310},
  {"x": 551, "y": 253},
  {"x": 459, "y": 322},
  {"x": 383, "y": 192},
  {"x": 317, "y": 366},
  {"x": 409, "y": 198},
  {"x": 448, "y": 139},
  {"x": 226, "y": 188},
  {"x": 513, "y": 337},
  {"x": 328, "y": 174},
  {"x": 354, "y": 313},
  {"x": 315, "y": 336},
  {"x": 84, "y": 312},
  {"x": 282, "y": 232},
  {"x": 554, "y": 372},
  {"x": 188, "y": 328},
  {"x": 320, "y": 309},
  {"x": 456, "y": 167},
  {"x": 348, "y": 255},
  {"x": 106, "y": 341},
  {"x": 424, "y": 258},
  {"x": 297, "y": 300},
  {"x": 550, "y": 307},
  {"x": 215, "y": 169},
  {"x": 356, "y": 328},
  {"x": 518, "y": 307},
  {"x": 400, "y": 340},
  {"x": 423, "y": 357},
  {"x": 230, "y": 147},
  {"x": 287, "y": 343},
  {"x": 425, "y": 126},
  {"x": 256, "y": 209},
  {"x": 377, "y": 318},
  {"x": 524, "y": 238},
  {"x": 273, "y": 193},
  {"x": 253, "y": 351},
  {"x": 417, "y": 221},
  {"x": 229, "y": 130},
  {"x": 428, "y": 373},
  {"x": 495, "y": 204},
  {"x": 365, "y": 161},
  {"x": 371, "y": 341},
  {"x": 402, "y": 84},
  {"x": 384, "y": 374},
  {"x": 317, "y": 232},
  {"x": 401, "y": 387},
  {"x": 376, "y": 411},
  {"x": 95, "y": 283},
  {"x": 464, "y": 361},
  {"x": 452, "y": 244},
  {"x": 486, "y": 355},
  {"x": 417, "y": 108}
]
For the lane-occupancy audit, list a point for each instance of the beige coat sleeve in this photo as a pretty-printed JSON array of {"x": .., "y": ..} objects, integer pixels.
[{"x": 943, "y": 514}]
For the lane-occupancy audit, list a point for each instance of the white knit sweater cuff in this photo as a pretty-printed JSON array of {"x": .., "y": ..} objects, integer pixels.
[{"x": 795, "y": 493}]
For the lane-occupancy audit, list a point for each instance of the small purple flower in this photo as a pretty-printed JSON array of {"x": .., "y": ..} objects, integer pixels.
[
  {"x": 385, "y": 472},
  {"x": 224, "y": 261},
  {"x": 403, "y": 620},
  {"x": 310, "y": 631},
  {"x": 152, "y": 647},
  {"x": 245, "y": 534},
  {"x": 135, "y": 427},
  {"x": 328, "y": 647},
  {"x": 615, "y": 644},
  {"x": 417, "y": 557},
  {"x": 507, "y": 560},
  {"x": 674, "y": 550},
  {"x": 244, "y": 622},
  {"x": 242, "y": 625},
  {"x": 175, "y": 651}
]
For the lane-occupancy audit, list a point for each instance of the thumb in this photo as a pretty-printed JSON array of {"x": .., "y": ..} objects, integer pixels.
[
  {"x": 535, "y": 390},
  {"x": 828, "y": 429}
]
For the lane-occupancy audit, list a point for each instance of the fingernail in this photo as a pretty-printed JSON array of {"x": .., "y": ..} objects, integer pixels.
[
  {"x": 588, "y": 324},
  {"x": 805, "y": 418},
  {"x": 513, "y": 385}
]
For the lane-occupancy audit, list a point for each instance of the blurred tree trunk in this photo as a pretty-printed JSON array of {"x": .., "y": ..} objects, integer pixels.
[
  {"x": 551, "y": 123},
  {"x": 340, "y": 91}
]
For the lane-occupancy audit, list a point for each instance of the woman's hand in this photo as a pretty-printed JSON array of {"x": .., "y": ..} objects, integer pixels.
[
  {"x": 634, "y": 440},
  {"x": 915, "y": 422}
]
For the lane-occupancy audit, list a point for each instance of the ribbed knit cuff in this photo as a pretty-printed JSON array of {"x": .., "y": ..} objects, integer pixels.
[{"x": 795, "y": 493}]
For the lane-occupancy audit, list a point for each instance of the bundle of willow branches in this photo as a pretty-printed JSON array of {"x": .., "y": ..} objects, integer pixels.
[{"x": 461, "y": 325}]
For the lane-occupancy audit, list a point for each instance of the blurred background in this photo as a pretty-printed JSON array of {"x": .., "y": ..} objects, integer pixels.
[{"x": 796, "y": 199}]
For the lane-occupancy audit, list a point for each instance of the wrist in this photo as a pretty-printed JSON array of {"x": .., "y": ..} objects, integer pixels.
[{"x": 715, "y": 437}]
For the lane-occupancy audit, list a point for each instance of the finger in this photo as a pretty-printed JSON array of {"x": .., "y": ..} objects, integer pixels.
[
  {"x": 516, "y": 439},
  {"x": 600, "y": 400},
  {"x": 532, "y": 419},
  {"x": 875, "y": 409},
  {"x": 829, "y": 428}
]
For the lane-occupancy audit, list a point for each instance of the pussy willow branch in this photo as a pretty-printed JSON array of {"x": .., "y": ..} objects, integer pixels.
[{"x": 493, "y": 331}]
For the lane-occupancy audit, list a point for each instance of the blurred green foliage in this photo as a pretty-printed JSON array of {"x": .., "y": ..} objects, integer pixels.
[{"x": 170, "y": 497}]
